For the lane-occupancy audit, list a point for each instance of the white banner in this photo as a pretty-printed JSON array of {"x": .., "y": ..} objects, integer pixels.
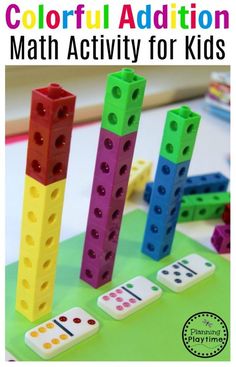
[{"x": 117, "y": 32}]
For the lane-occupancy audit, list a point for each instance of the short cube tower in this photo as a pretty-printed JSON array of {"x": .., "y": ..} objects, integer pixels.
[{"x": 177, "y": 146}]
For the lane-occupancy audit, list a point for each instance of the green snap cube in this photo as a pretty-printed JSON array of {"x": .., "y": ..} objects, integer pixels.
[
  {"x": 179, "y": 135},
  {"x": 123, "y": 102},
  {"x": 120, "y": 121},
  {"x": 186, "y": 210},
  {"x": 125, "y": 89}
]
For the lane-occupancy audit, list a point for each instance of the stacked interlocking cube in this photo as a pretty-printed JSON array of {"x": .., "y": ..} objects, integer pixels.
[
  {"x": 177, "y": 146},
  {"x": 51, "y": 119},
  {"x": 220, "y": 238},
  {"x": 120, "y": 120},
  {"x": 200, "y": 184}
]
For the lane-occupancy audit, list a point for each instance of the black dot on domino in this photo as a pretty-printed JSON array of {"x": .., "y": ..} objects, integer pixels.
[
  {"x": 177, "y": 280},
  {"x": 165, "y": 272},
  {"x": 177, "y": 273},
  {"x": 189, "y": 275},
  {"x": 175, "y": 266}
]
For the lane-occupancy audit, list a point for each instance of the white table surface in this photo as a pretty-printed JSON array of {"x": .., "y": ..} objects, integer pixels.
[{"x": 211, "y": 154}]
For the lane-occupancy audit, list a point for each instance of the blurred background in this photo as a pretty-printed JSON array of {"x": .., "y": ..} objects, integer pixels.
[{"x": 165, "y": 85}]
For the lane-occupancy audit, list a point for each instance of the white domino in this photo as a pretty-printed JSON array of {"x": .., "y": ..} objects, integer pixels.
[
  {"x": 61, "y": 332},
  {"x": 129, "y": 297},
  {"x": 185, "y": 272}
]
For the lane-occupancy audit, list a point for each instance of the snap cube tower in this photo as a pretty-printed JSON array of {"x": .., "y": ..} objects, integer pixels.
[
  {"x": 120, "y": 120},
  {"x": 51, "y": 119},
  {"x": 177, "y": 146}
]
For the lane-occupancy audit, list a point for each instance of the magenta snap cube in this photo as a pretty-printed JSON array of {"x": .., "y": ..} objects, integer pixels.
[
  {"x": 114, "y": 146},
  {"x": 105, "y": 193},
  {"x": 106, "y": 216},
  {"x": 113, "y": 171},
  {"x": 221, "y": 238},
  {"x": 98, "y": 256},
  {"x": 96, "y": 276},
  {"x": 99, "y": 235}
]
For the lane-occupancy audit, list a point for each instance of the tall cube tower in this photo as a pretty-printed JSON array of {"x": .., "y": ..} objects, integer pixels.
[
  {"x": 120, "y": 120},
  {"x": 51, "y": 119},
  {"x": 177, "y": 146}
]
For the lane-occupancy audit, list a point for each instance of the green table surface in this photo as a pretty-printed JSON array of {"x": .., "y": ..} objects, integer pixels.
[{"x": 151, "y": 334}]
